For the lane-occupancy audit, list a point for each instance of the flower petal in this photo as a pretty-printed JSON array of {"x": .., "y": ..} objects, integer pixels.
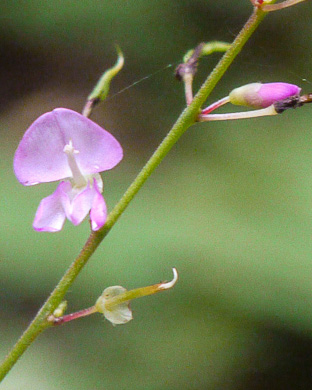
[
  {"x": 272, "y": 92},
  {"x": 50, "y": 215},
  {"x": 77, "y": 207},
  {"x": 40, "y": 158},
  {"x": 98, "y": 212}
]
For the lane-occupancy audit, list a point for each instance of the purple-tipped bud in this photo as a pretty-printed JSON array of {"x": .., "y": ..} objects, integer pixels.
[{"x": 259, "y": 95}]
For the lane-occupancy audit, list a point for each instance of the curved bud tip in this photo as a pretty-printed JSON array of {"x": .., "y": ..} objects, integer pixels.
[
  {"x": 257, "y": 95},
  {"x": 101, "y": 90},
  {"x": 167, "y": 285}
]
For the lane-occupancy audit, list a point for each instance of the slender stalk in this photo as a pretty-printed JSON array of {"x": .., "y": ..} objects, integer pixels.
[
  {"x": 188, "y": 87},
  {"x": 215, "y": 105},
  {"x": 72, "y": 316},
  {"x": 186, "y": 119},
  {"x": 239, "y": 115}
]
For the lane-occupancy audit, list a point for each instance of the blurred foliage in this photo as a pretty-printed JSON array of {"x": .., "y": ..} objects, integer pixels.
[{"x": 231, "y": 206}]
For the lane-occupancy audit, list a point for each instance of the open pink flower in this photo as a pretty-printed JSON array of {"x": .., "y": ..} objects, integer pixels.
[{"x": 63, "y": 144}]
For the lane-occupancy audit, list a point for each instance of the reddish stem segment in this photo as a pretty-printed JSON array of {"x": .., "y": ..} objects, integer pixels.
[
  {"x": 72, "y": 316},
  {"x": 215, "y": 105}
]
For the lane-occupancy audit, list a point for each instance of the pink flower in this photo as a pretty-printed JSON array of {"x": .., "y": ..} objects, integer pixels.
[
  {"x": 259, "y": 95},
  {"x": 63, "y": 144}
]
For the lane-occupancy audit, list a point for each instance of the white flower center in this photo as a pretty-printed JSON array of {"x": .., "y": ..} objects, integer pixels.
[{"x": 78, "y": 179}]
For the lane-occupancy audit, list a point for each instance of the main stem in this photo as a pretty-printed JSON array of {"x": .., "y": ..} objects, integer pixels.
[{"x": 186, "y": 119}]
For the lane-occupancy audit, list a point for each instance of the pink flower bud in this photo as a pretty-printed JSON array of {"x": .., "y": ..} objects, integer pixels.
[{"x": 259, "y": 95}]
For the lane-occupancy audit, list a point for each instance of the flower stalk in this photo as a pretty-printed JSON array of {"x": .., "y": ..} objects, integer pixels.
[
  {"x": 73, "y": 316},
  {"x": 186, "y": 119},
  {"x": 238, "y": 115}
]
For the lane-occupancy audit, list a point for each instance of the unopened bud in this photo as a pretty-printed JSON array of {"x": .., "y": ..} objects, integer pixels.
[{"x": 257, "y": 95}]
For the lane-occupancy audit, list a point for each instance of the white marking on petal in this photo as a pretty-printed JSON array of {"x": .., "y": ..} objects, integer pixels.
[
  {"x": 78, "y": 179},
  {"x": 99, "y": 181}
]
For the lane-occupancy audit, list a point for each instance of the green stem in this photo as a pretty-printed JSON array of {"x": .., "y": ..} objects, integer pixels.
[{"x": 186, "y": 119}]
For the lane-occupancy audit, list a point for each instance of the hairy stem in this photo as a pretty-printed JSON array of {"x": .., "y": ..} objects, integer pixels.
[{"x": 186, "y": 119}]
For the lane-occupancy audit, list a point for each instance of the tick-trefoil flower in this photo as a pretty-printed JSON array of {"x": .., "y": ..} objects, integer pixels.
[
  {"x": 269, "y": 99},
  {"x": 64, "y": 145}
]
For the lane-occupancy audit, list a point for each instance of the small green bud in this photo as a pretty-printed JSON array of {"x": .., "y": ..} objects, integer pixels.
[{"x": 60, "y": 310}]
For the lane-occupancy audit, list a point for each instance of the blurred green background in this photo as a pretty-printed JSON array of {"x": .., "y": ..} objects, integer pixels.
[{"x": 230, "y": 207}]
